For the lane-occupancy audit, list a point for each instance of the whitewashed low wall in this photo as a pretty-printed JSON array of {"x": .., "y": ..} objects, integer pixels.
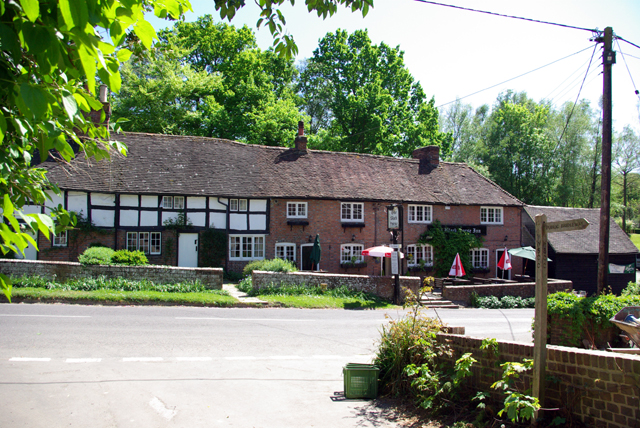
[
  {"x": 61, "y": 271},
  {"x": 382, "y": 286}
]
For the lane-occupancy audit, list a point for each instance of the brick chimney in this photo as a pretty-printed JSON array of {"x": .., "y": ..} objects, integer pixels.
[
  {"x": 301, "y": 140},
  {"x": 106, "y": 107},
  {"x": 429, "y": 157}
]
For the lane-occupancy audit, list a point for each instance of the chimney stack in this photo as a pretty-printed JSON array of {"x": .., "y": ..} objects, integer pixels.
[
  {"x": 301, "y": 140},
  {"x": 429, "y": 157}
]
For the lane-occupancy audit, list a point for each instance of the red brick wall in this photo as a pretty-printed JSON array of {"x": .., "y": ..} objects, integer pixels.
[
  {"x": 598, "y": 388},
  {"x": 324, "y": 218}
]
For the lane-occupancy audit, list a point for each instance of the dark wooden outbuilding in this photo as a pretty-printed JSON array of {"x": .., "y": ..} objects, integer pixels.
[{"x": 574, "y": 254}]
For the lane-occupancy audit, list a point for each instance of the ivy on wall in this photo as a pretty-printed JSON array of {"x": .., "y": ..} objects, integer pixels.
[{"x": 445, "y": 246}]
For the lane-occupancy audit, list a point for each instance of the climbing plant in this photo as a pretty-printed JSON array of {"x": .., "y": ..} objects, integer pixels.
[{"x": 446, "y": 244}]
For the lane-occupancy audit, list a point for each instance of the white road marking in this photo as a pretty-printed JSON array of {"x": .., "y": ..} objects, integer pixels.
[
  {"x": 45, "y": 316},
  {"x": 30, "y": 359},
  {"x": 194, "y": 358},
  {"x": 159, "y": 407},
  {"x": 142, "y": 359},
  {"x": 351, "y": 358},
  {"x": 245, "y": 319}
]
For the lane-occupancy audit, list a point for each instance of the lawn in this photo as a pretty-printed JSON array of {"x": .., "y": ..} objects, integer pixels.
[
  {"x": 325, "y": 302},
  {"x": 635, "y": 238}
]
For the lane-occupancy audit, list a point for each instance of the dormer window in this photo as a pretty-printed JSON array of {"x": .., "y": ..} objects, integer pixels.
[{"x": 296, "y": 210}]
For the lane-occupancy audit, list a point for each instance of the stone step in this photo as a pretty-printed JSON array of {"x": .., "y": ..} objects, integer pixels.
[{"x": 438, "y": 304}]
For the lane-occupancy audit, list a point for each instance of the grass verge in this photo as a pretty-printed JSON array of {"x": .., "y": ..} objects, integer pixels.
[
  {"x": 324, "y": 302},
  {"x": 120, "y": 297},
  {"x": 635, "y": 238}
]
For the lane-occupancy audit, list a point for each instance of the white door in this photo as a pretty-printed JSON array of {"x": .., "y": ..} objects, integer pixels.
[
  {"x": 188, "y": 250},
  {"x": 30, "y": 252}
]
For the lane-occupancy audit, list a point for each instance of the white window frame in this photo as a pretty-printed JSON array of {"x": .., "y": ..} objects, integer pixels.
[
  {"x": 134, "y": 236},
  {"x": 238, "y": 204},
  {"x": 155, "y": 241},
  {"x": 479, "y": 258},
  {"x": 299, "y": 210},
  {"x": 349, "y": 212},
  {"x": 246, "y": 247},
  {"x": 286, "y": 249},
  {"x": 178, "y": 202},
  {"x": 167, "y": 202},
  {"x": 60, "y": 239},
  {"x": 419, "y": 252},
  {"x": 144, "y": 241},
  {"x": 491, "y": 215},
  {"x": 347, "y": 251},
  {"x": 420, "y": 213}
]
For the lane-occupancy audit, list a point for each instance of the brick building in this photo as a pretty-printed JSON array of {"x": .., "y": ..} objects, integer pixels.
[{"x": 272, "y": 201}]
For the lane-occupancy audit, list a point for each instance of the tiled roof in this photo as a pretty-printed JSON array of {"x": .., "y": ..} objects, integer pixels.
[
  {"x": 582, "y": 241},
  {"x": 168, "y": 164}
]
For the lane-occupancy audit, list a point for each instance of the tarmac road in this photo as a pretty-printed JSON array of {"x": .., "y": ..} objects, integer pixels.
[{"x": 97, "y": 366}]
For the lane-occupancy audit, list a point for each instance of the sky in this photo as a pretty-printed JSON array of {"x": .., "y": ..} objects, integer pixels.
[{"x": 455, "y": 53}]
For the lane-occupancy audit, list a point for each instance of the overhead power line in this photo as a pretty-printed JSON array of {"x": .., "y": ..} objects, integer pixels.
[
  {"x": 511, "y": 16},
  {"x": 628, "y": 71},
  {"x": 632, "y": 44},
  {"x": 566, "y": 125},
  {"x": 513, "y": 78}
]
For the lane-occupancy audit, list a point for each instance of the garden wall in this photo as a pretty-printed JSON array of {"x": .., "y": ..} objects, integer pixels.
[
  {"x": 210, "y": 277},
  {"x": 462, "y": 293},
  {"x": 379, "y": 285},
  {"x": 599, "y": 388}
]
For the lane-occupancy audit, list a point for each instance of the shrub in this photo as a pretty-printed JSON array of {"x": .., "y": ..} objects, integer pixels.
[
  {"x": 96, "y": 256},
  {"x": 273, "y": 265},
  {"x": 506, "y": 302},
  {"x": 131, "y": 258},
  {"x": 632, "y": 289},
  {"x": 586, "y": 317},
  {"x": 246, "y": 285}
]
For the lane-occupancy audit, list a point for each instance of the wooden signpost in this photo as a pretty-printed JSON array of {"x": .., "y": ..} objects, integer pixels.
[{"x": 540, "y": 334}]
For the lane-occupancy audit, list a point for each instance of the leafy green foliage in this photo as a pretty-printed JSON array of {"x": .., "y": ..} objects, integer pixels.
[
  {"x": 131, "y": 258},
  {"x": 51, "y": 51},
  {"x": 517, "y": 405},
  {"x": 272, "y": 18},
  {"x": 210, "y": 79},
  {"x": 118, "y": 284},
  {"x": 180, "y": 221},
  {"x": 584, "y": 317},
  {"x": 505, "y": 302},
  {"x": 447, "y": 244},
  {"x": 632, "y": 289},
  {"x": 269, "y": 265},
  {"x": 361, "y": 98},
  {"x": 96, "y": 256}
]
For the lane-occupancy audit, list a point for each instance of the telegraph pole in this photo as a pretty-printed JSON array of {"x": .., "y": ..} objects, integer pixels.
[{"x": 608, "y": 59}]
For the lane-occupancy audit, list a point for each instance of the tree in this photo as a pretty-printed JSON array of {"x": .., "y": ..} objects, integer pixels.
[
  {"x": 517, "y": 151},
  {"x": 272, "y": 17},
  {"x": 626, "y": 148},
  {"x": 52, "y": 52},
  {"x": 370, "y": 103},
  {"x": 210, "y": 79}
]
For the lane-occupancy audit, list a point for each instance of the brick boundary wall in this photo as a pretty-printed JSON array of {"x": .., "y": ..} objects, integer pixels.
[
  {"x": 210, "y": 277},
  {"x": 462, "y": 293},
  {"x": 379, "y": 285},
  {"x": 599, "y": 388}
]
